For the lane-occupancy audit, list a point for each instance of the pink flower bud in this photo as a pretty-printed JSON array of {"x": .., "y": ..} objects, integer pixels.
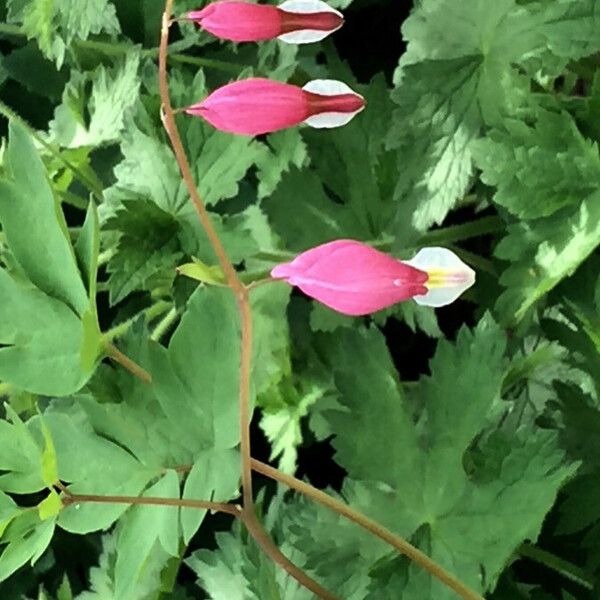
[
  {"x": 294, "y": 21},
  {"x": 355, "y": 279},
  {"x": 254, "y": 106}
]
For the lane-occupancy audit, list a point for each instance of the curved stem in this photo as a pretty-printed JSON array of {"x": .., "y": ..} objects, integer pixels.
[
  {"x": 373, "y": 527},
  {"x": 240, "y": 291},
  {"x": 233, "y": 281},
  {"x": 260, "y": 536}
]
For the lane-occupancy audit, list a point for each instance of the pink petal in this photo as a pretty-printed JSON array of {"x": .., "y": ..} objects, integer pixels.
[
  {"x": 253, "y": 106},
  {"x": 351, "y": 277},
  {"x": 239, "y": 21}
]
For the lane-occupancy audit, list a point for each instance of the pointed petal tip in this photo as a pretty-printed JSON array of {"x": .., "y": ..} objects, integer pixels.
[{"x": 282, "y": 271}]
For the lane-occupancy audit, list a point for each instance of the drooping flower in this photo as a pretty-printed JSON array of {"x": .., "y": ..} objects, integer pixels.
[
  {"x": 256, "y": 105},
  {"x": 294, "y": 21},
  {"x": 355, "y": 279}
]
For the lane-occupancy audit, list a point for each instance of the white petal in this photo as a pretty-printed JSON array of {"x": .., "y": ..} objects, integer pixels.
[
  {"x": 329, "y": 120},
  {"x": 307, "y": 6},
  {"x": 328, "y": 87},
  {"x": 305, "y": 36},
  {"x": 449, "y": 276}
]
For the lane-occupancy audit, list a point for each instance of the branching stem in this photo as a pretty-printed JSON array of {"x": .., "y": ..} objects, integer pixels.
[{"x": 403, "y": 546}]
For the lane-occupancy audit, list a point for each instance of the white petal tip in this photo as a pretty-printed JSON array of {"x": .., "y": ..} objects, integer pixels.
[
  {"x": 305, "y": 36},
  {"x": 307, "y": 6},
  {"x": 331, "y": 120},
  {"x": 328, "y": 87},
  {"x": 449, "y": 276}
]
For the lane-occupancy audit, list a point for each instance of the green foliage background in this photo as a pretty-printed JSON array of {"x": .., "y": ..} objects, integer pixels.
[{"x": 474, "y": 432}]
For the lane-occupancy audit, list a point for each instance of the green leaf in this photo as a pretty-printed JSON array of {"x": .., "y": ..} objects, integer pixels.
[
  {"x": 95, "y": 104},
  {"x": 55, "y": 24},
  {"x": 140, "y": 530},
  {"x": 87, "y": 249},
  {"x": 41, "y": 341},
  {"x": 91, "y": 464},
  {"x": 49, "y": 461},
  {"x": 543, "y": 253},
  {"x": 287, "y": 149},
  {"x": 457, "y": 74},
  {"x": 449, "y": 506},
  {"x": 50, "y": 506},
  {"x": 27, "y": 537},
  {"x": 196, "y": 380},
  {"x": 214, "y": 476},
  {"x": 316, "y": 218},
  {"x": 213, "y": 275},
  {"x": 35, "y": 226},
  {"x": 515, "y": 161},
  {"x": 147, "y": 247}
]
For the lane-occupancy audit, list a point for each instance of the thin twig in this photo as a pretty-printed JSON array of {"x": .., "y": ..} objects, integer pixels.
[
  {"x": 114, "y": 353},
  {"x": 223, "y": 507},
  {"x": 373, "y": 527}
]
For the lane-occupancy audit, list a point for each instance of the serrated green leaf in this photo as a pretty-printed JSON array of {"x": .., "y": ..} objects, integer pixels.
[
  {"x": 55, "y": 24},
  {"x": 37, "y": 330},
  {"x": 516, "y": 161},
  {"x": 543, "y": 253},
  {"x": 450, "y": 508},
  {"x": 96, "y": 117}
]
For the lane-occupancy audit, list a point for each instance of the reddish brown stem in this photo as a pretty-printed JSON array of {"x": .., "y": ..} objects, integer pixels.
[
  {"x": 402, "y": 545},
  {"x": 223, "y": 507},
  {"x": 241, "y": 294},
  {"x": 231, "y": 276}
]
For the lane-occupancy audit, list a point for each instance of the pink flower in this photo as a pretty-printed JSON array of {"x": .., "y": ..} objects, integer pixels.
[
  {"x": 294, "y": 21},
  {"x": 355, "y": 279},
  {"x": 254, "y": 106}
]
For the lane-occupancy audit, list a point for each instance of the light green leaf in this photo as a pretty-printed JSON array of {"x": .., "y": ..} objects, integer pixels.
[
  {"x": 35, "y": 226},
  {"x": 55, "y": 24},
  {"x": 96, "y": 117},
  {"x": 49, "y": 462},
  {"x": 28, "y": 538},
  {"x": 140, "y": 530},
  {"x": 200, "y": 370},
  {"x": 41, "y": 341},
  {"x": 515, "y": 161},
  {"x": 213, "y": 275},
  {"x": 87, "y": 249},
  {"x": 50, "y": 506},
  {"x": 214, "y": 476}
]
